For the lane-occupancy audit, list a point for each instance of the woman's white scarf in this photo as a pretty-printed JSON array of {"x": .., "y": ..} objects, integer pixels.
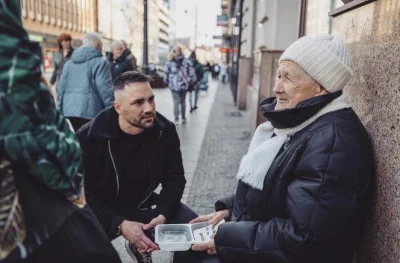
[{"x": 263, "y": 149}]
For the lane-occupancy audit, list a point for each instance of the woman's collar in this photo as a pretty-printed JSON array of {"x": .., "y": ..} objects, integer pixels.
[{"x": 288, "y": 118}]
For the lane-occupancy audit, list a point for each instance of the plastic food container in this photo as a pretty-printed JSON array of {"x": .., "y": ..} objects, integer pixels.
[{"x": 180, "y": 237}]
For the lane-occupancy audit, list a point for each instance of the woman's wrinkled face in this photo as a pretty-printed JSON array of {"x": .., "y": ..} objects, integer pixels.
[
  {"x": 293, "y": 85},
  {"x": 117, "y": 52}
]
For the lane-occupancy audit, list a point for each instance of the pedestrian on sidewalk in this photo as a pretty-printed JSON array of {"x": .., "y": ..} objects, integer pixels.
[
  {"x": 43, "y": 214},
  {"x": 224, "y": 72},
  {"x": 129, "y": 55},
  {"x": 64, "y": 54},
  {"x": 179, "y": 75},
  {"x": 306, "y": 183},
  {"x": 85, "y": 87},
  {"x": 195, "y": 88},
  {"x": 128, "y": 151},
  {"x": 118, "y": 60},
  {"x": 216, "y": 69}
]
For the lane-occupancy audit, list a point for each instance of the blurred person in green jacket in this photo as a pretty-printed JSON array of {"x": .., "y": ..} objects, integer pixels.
[{"x": 43, "y": 211}]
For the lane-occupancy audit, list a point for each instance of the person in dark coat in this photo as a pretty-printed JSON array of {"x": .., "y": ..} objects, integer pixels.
[
  {"x": 306, "y": 183},
  {"x": 194, "y": 89},
  {"x": 128, "y": 151},
  {"x": 129, "y": 55},
  {"x": 65, "y": 53},
  {"x": 43, "y": 212},
  {"x": 118, "y": 60}
]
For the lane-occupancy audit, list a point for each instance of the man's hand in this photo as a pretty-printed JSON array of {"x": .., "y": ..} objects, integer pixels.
[
  {"x": 133, "y": 232},
  {"x": 154, "y": 222},
  {"x": 81, "y": 201},
  {"x": 212, "y": 218},
  {"x": 209, "y": 247}
]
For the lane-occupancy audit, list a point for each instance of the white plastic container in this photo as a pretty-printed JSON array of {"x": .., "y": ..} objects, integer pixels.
[{"x": 179, "y": 237}]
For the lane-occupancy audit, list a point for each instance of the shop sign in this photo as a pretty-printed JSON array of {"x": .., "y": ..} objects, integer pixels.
[
  {"x": 35, "y": 38},
  {"x": 222, "y": 20}
]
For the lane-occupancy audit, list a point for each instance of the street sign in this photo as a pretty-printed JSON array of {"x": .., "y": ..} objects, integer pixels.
[{"x": 222, "y": 20}]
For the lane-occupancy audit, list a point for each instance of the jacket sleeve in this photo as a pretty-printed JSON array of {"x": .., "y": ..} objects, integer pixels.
[
  {"x": 199, "y": 71},
  {"x": 320, "y": 202},
  {"x": 174, "y": 181},
  {"x": 225, "y": 203},
  {"x": 108, "y": 217},
  {"x": 166, "y": 73},
  {"x": 62, "y": 86},
  {"x": 134, "y": 63},
  {"x": 103, "y": 82},
  {"x": 191, "y": 72},
  {"x": 54, "y": 75}
]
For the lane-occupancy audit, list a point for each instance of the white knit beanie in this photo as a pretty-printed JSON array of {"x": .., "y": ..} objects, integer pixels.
[{"x": 324, "y": 57}]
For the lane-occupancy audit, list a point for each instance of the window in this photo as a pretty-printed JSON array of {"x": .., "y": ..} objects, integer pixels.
[
  {"x": 24, "y": 8},
  {"x": 39, "y": 10},
  {"x": 52, "y": 14},
  {"x": 64, "y": 13},
  {"x": 70, "y": 15},
  {"x": 74, "y": 14},
  {"x": 32, "y": 9},
  {"x": 59, "y": 13},
  {"x": 45, "y": 10}
]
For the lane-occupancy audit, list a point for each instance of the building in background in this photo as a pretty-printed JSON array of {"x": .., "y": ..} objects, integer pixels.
[
  {"x": 370, "y": 29},
  {"x": 317, "y": 18},
  {"x": 121, "y": 19},
  {"x": 45, "y": 20},
  {"x": 258, "y": 32},
  {"x": 164, "y": 22},
  {"x": 153, "y": 30},
  {"x": 172, "y": 23}
]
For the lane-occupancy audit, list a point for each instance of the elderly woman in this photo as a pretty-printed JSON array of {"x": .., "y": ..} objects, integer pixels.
[
  {"x": 305, "y": 184},
  {"x": 118, "y": 60}
]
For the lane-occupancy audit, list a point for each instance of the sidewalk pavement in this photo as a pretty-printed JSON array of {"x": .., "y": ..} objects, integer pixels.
[{"x": 213, "y": 142}]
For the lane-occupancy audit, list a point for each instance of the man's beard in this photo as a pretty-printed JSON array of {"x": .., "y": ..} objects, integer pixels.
[{"x": 138, "y": 123}]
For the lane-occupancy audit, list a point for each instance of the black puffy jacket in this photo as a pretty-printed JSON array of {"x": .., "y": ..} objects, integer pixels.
[
  {"x": 102, "y": 167},
  {"x": 120, "y": 65},
  {"x": 314, "y": 201}
]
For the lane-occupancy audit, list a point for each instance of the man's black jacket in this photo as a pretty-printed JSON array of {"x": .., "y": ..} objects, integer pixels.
[{"x": 102, "y": 161}]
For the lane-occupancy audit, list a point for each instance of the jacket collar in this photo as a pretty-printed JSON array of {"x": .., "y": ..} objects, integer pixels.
[
  {"x": 288, "y": 118},
  {"x": 105, "y": 125}
]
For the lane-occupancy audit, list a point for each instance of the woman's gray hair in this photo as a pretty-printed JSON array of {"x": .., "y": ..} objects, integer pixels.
[
  {"x": 116, "y": 44},
  {"x": 92, "y": 39}
]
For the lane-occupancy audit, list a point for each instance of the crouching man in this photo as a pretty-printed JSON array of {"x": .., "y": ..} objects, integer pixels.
[{"x": 128, "y": 151}]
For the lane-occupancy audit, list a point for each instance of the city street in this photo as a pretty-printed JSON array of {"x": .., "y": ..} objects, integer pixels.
[{"x": 212, "y": 142}]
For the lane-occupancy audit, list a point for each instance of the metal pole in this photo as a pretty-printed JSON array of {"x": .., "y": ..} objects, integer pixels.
[
  {"x": 239, "y": 43},
  {"x": 145, "y": 65},
  {"x": 303, "y": 17}
]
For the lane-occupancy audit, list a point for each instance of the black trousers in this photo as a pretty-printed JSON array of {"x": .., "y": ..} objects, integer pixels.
[
  {"x": 80, "y": 240},
  {"x": 77, "y": 123}
]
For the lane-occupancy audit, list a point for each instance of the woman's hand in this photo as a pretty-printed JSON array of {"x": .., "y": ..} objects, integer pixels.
[
  {"x": 209, "y": 247},
  {"x": 213, "y": 218}
]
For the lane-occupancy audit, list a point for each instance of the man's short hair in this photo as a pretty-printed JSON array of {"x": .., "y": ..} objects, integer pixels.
[
  {"x": 128, "y": 78},
  {"x": 116, "y": 44},
  {"x": 91, "y": 39}
]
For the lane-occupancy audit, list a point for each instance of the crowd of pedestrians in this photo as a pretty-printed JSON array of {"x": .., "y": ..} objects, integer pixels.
[{"x": 304, "y": 187}]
